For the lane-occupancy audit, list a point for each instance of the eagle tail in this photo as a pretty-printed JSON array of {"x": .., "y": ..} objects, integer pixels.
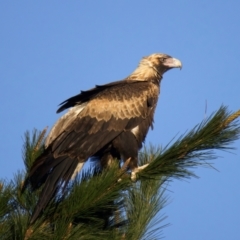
[{"x": 54, "y": 173}]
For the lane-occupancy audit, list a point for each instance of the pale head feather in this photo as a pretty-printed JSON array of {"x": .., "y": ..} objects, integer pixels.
[{"x": 154, "y": 66}]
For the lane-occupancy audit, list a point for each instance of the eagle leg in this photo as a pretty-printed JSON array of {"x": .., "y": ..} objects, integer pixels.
[{"x": 136, "y": 170}]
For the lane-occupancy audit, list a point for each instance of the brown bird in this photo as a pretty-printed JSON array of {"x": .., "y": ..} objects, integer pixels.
[{"x": 108, "y": 122}]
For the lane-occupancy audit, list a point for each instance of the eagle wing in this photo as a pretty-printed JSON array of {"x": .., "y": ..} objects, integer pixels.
[
  {"x": 98, "y": 117},
  {"x": 93, "y": 123}
]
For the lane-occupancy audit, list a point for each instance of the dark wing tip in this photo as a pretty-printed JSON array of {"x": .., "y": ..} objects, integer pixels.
[
  {"x": 70, "y": 102},
  {"x": 60, "y": 109},
  {"x": 85, "y": 96}
]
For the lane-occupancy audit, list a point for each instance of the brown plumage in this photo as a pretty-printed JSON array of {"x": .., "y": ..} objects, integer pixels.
[{"x": 109, "y": 121}]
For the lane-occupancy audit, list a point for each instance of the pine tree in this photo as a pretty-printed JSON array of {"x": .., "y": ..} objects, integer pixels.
[{"x": 107, "y": 204}]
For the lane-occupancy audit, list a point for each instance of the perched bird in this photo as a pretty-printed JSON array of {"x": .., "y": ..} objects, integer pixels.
[{"x": 108, "y": 122}]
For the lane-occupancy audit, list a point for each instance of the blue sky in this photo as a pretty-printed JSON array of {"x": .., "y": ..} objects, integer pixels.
[{"x": 50, "y": 50}]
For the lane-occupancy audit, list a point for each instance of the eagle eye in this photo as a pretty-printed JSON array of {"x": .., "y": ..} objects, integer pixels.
[{"x": 162, "y": 59}]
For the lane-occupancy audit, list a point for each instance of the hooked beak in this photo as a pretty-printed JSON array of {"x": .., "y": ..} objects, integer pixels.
[{"x": 172, "y": 63}]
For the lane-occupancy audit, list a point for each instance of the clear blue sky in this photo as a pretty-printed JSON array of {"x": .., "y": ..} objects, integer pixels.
[{"x": 50, "y": 50}]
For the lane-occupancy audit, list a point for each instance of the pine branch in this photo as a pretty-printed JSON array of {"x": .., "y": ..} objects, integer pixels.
[
  {"x": 196, "y": 147},
  {"x": 106, "y": 204},
  {"x": 33, "y": 146},
  {"x": 94, "y": 191}
]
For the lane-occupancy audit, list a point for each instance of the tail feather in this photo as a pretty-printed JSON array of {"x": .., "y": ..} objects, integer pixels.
[{"x": 54, "y": 173}]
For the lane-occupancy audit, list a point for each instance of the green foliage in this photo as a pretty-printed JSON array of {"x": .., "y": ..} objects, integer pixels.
[
  {"x": 32, "y": 147},
  {"x": 196, "y": 147},
  {"x": 107, "y": 204}
]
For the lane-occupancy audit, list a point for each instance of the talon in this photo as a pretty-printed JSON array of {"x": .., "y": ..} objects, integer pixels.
[
  {"x": 125, "y": 165},
  {"x": 124, "y": 168},
  {"x": 136, "y": 170},
  {"x": 133, "y": 176},
  {"x": 142, "y": 167}
]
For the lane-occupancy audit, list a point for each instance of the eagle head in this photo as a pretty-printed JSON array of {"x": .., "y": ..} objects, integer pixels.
[{"x": 154, "y": 66}]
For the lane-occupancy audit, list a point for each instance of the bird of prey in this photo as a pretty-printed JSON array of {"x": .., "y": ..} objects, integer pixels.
[{"x": 108, "y": 122}]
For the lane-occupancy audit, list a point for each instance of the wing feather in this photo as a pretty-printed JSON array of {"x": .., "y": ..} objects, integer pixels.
[
  {"x": 88, "y": 127},
  {"x": 96, "y": 118}
]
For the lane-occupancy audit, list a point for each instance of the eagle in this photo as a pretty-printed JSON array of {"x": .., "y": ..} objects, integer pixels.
[{"x": 107, "y": 122}]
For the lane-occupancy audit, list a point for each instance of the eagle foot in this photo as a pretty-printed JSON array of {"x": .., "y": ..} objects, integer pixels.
[
  {"x": 124, "y": 168},
  {"x": 136, "y": 170}
]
